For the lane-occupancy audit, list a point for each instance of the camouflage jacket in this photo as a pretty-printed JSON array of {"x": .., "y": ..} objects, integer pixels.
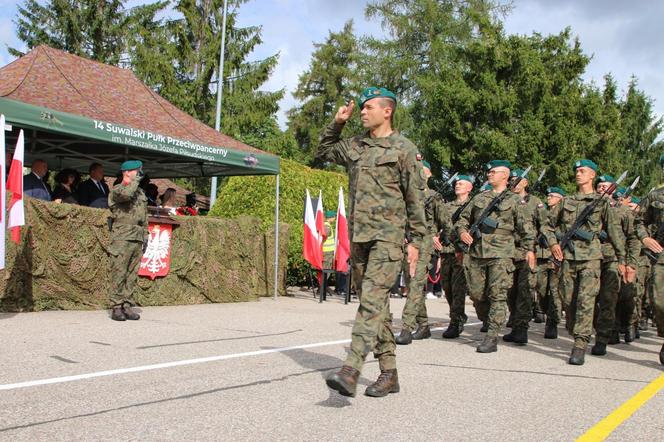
[
  {"x": 129, "y": 210},
  {"x": 500, "y": 242},
  {"x": 545, "y": 214},
  {"x": 386, "y": 185},
  {"x": 446, "y": 212},
  {"x": 651, "y": 217},
  {"x": 432, "y": 202},
  {"x": 632, "y": 244},
  {"x": 602, "y": 219},
  {"x": 532, "y": 208}
]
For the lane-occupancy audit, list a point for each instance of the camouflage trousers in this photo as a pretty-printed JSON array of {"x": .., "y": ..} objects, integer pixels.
[
  {"x": 376, "y": 265},
  {"x": 579, "y": 287},
  {"x": 125, "y": 259},
  {"x": 642, "y": 294},
  {"x": 522, "y": 293},
  {"x": 489, "y": 280},
  {"x": 415, "y": 309},
  {"x": 547, "y": 290},
  {"x": 609, "y": 291},
  {"x": 657, "y": 291},
  {"x": 453, "y": 282}
]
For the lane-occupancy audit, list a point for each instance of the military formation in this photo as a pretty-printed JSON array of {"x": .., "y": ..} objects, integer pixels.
[{"x": 591, "y": 260}]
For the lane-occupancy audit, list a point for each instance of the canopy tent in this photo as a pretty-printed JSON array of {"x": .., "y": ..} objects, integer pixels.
[{"x": 75, "y": 111}]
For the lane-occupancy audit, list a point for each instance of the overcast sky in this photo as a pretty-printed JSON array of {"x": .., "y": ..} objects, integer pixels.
[{"x": 623, "y": 37}]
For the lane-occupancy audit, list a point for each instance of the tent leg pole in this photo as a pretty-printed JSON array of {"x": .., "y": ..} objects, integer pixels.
[{"x": 276, "y": 242}]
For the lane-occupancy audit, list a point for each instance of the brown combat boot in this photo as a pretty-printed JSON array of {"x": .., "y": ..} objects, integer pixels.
[
  {"x": 117, "y": 313},
  {"x": 344, "y": 381},
  {"x": 129, "y": 313},
  {"x": 488, "y": 345},
  {"x": 661, "y": 355},
  {"x": 422, "y": 332},
  {"x": 387, "y": 382}
]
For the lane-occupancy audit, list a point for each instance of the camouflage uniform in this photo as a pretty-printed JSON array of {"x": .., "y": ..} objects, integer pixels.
[
  {"x": 581, "y": 268},
  {"x": 647, "y": 223},
  {"x": 489, "y": 265},
  {"x": 547, "y": 277},
  {"x": 415, "y": 309},
  {"x": 642, "y": 302},
  {"x": 453, "y": 279},
  {"x": 525, "y": 279},
  {"x": 386, "y": 198},
  {"x": 129, "y": 210}
]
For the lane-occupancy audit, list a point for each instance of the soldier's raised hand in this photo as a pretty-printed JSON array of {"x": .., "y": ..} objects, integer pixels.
[{"x": 344, "y": 113}]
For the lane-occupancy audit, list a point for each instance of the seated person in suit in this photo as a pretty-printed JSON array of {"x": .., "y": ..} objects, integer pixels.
[
  {"x": 34, "y": 183},
  {"x": 168, "y": 201},
  {"x": 93, "y": 192},
  {"x": 67, "y": 181}
]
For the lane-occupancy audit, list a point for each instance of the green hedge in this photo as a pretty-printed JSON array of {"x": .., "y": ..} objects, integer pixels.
[{"x": 255, "y": 196}]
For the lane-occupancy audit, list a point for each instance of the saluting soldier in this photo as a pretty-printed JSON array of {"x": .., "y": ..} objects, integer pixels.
[
  {"x": 129, "y": 230},
  {"x": 415, "y": 309},
  {"x": 525, "y": 274},
  {"x": 490, "y": 265},
  {"x": 386, "y": 199},
  {"x": 453, "y": 279},
  {"x": 582, "y": 258},
  {"x": 650, "y": 230},
  {"x": 547, "y": 277}
]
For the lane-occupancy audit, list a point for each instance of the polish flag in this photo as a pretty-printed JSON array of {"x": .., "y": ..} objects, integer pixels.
[
  {"x": 3, "y": 218},
  {"x": 320, "y": 219},
  {"x": 15, "y": 186},
  {"x": 311, "y": 243},
  {"x": 342, "y": 243}
]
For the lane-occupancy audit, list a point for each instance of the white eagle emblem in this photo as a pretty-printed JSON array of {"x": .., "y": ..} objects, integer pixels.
[{"x": 157, "y": 250}]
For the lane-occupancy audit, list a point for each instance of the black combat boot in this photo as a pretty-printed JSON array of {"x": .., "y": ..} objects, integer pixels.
[
  {"x": 578, "y": 356},
  {"x": 550, "y": 330},
  {"x": 643, "y": 324},
  {"x": 488, "y": 345},
  {"x": 517, "y": 335},
  {"x": 539, "y": 318},
  {"x": 661, "y": 355},
  {"x": 453, "y": 331},
  {"x": 422, "y": 332},
  {"x": 405, "y": 337},
  {"x": 485, "y": 327},
  {"x": 629, "y": 334},
  {"x": 117, "y": 313},
  {"x": 599, "y": 349},
  {"x": 614, "y": 338},
  {"x": 637, "y": 333},
  {"x": 344, "y": 381},
  {"x": 129, "y": 313},
  {"x": 510, "y": 322},
  {"x": 387, "y": 382}
]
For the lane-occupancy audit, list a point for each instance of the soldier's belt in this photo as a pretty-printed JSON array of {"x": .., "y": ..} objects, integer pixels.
[{"x": 503, "y": 231}]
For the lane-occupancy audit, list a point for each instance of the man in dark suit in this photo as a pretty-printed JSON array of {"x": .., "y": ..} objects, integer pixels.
[
  {"x": 93, "y": 192},
  {"x": 34, "y": 184}
]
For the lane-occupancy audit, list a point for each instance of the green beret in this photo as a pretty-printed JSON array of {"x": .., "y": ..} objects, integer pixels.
[
  {"x": 464, "y": 178},
  {"x": 606, "y": 179},
  {"x": 636, "y": 199},
  {"x": 131, "y": 165},
  {"x": 517, "y": 172},
  {"x": 585, "y": 163},
  {"x": 497, "y": 163},
  {"x": 330, "y": 214},
  {"x": 554, "y": 189},
  {"x": 375, "y": 92},
  {"x": 486, "y": 187},
  {"x": 426, "y": 164}
]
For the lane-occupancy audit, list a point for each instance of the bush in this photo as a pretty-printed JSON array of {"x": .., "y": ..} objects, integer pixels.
[{"x": 255, "y": 196}]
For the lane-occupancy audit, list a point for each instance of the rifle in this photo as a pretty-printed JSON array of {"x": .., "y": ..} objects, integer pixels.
[
  {"x": 536, "y": 186},
  {"x": 631, "y": 188},
  {"x": 659, "y": 237},
  {"x": 575, "y": 232},
  {"x": 441, "y": 188},
  {"x": 457, "y": 212},
  {"x": 483, "y": 219}
]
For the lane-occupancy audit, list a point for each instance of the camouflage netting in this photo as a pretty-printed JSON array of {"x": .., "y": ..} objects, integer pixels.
[{"x": 62, "y": 261}]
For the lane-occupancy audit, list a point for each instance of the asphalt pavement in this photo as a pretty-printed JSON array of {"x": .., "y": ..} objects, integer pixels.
[{"x": 255, "y": 371}]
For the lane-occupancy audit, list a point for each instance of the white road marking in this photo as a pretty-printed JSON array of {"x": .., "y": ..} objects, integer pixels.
[{"x": 117, "y": 371}]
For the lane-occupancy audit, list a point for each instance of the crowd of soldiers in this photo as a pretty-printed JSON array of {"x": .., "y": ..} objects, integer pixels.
[{"x": 591, "y": 259}]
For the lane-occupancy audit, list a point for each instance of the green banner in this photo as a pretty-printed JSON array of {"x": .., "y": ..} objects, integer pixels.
[{"x": 242, "y": 163}]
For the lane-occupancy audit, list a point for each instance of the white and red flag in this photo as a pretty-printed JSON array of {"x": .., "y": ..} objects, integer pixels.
[
  {"x": 320, "y": 218},
  {"x": 312, "y": 249},
  {"x": 16, "y": 217},
  {"x": 342, "y": 242},
  {"x": 3, "y": 217}
]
